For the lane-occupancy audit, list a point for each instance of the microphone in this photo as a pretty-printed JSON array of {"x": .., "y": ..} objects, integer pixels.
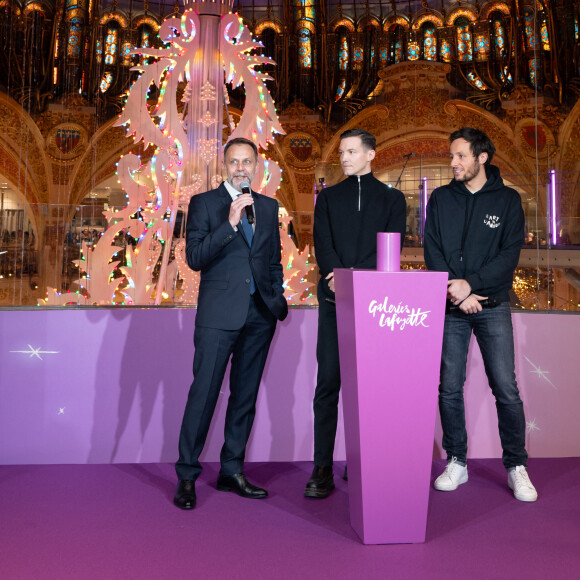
[
  {"x": 409, "y": 155},
  {"x": 245, "y": 187}
]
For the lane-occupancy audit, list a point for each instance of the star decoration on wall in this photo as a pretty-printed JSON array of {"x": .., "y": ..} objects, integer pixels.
[
  {"x": 208, "y": 119},
  {"x": 35, "y": 352},
  {"x": 61, "y": 410},
  {"x": 532, "y": 426},
  {"x": 541, "y": 374}
]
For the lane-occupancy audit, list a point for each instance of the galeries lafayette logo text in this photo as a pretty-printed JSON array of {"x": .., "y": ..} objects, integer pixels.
[{"x": 397, "y": 315}]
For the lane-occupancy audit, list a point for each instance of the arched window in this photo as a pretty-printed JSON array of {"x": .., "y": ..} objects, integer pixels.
[
  {"x": 112, "y": 43},
  {"x": 396, "y": 44},
  {"x": 429, "y": 41},
  {"x": 109, "y": 47},
  {"x": 342, "y": 30},
  {"x": 75, "y": 18},
  {"x": 34, "y": 13},
  {"x": 498, "y": 35},
  {"x": 544, "y": 35},
  {"x": 532, "y": 42},
  {"x": 268, "y": 39},
  {"x": 499, "y": 24},
  {"x": 36, "y": 44},
  {"x": 74, "y": 37},
  {"x": 365, "y": 51},
  {"x": 268, "y": 34},
  {"x": 447, "y": 46},
  {"x": 126, "y": 47},
  {"x": 530, "y": 29},
  {"x": 145, "y": 37},
  {"x": 147, "y": 28},
  {"x": 342, "y": 49},
  {"x": 370, "y": 45},
  {"x": 464, "y": 40},
  {"x": 304, "y": 48},
  {"x": 304, "y": 18},
  {"x": 413, "y": 50},
  {"x": 383, "y": 56}
]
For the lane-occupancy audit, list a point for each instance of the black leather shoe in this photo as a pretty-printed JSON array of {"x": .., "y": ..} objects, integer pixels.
[
  {"x": 240, "y": 485},
  {"x": 321, "y": 482},
  {"x": 185, "y": 494}
]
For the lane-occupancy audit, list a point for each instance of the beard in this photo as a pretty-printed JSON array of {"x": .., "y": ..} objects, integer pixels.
[
  {"x": 235, "y": 180},
  {"x": 469, "y": 175}
]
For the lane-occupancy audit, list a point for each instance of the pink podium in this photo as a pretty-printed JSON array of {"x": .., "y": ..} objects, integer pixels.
[{"x": 390, "y": 329}]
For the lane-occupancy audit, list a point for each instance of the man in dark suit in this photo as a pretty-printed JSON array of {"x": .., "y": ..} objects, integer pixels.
[{"x": 240, "y": 297}]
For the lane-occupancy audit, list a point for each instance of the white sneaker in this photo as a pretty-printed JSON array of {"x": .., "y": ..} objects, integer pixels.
[
  {"x": 520, "y": 483},
  {"x": 454, "y": 475}
]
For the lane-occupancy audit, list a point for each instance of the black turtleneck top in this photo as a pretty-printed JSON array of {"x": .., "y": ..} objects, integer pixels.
[{"x": 348, "y": 217}]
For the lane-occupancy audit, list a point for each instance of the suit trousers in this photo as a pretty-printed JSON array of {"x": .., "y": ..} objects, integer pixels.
[
  {"x": 248, "y": 348},
  {"x": 327, "y": 383}
]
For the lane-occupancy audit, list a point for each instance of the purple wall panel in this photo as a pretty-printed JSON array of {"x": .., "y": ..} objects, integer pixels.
[
  {"x": 109, "y": 385},
  {"x": 102, "y": 386}
]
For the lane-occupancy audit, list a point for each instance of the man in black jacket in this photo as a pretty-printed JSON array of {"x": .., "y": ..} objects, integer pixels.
[
  {"x": 474, "y": 231},
  {"x": 347, "y": 218}
]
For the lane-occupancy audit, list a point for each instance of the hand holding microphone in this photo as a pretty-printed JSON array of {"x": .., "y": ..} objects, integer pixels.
[{"x": 243, "y": 202}]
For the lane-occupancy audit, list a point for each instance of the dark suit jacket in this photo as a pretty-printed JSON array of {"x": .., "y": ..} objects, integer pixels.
[{"x": 226, "y": 261}]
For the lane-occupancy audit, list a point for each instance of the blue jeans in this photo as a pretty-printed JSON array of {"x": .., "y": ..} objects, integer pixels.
[{"x": 493, "y": 330}]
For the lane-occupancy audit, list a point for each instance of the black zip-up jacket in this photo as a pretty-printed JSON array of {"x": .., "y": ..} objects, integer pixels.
[
  {"x": 476, "y": 236},
  {"x": 348, "y": 217}
]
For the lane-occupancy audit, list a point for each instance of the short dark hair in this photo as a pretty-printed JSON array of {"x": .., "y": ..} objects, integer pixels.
[
  {"x": 478, "y": 141},
  {"x": 368, "y": 140},
  {"x": 241, "y": 141}
]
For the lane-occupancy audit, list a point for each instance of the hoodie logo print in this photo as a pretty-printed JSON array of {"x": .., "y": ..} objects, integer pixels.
[{"x": 492, "y": 221}]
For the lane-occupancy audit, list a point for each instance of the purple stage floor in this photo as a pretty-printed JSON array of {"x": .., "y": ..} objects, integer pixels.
[{"x": 117, "y": 521}]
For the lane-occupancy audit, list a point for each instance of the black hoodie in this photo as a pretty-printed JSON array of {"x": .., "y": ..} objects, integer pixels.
[
  {"x": 348, "y": 217},
  {"x": 476, "y": 236}
]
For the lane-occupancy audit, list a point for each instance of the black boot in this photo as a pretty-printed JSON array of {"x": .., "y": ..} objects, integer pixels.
[{"x": 321, "y": 482}]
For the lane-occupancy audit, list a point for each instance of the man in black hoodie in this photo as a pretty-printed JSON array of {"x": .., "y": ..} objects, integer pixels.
[
  {"x": 347, "y": 218},
  {"x": 474, "y": 231}
]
